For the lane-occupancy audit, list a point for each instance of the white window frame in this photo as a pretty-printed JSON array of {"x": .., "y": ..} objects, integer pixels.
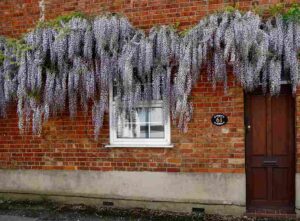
[{"x": 137, "y": 142}]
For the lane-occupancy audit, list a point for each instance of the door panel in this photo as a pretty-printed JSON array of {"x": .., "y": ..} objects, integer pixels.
[
  {"x": 259, "y": 126},
  {"x": 270, "y": 151},
  {"x": 280, "y": 125},
  {"x": 280, "y": 178},
  {"x": 260, "y": 187}
]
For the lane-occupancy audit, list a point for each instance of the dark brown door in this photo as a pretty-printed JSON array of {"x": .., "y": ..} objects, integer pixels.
[{"x": 270, "y": 151}]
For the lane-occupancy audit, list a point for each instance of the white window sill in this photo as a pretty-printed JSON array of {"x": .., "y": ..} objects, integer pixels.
[{"x": 139, "y": 146}]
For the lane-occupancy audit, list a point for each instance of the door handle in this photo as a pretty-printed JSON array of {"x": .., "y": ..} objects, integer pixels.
[
  {"x": 270, "y": 163},
  {"x": 248, "y": 128},
  {"x": 247, "y": 124}
]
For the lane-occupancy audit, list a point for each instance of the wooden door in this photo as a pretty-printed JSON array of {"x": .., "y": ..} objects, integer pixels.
[{"x": 270, "y": 151}]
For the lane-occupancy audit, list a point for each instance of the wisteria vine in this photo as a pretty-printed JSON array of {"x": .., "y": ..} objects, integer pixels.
[{"x": 78, "y": 63}]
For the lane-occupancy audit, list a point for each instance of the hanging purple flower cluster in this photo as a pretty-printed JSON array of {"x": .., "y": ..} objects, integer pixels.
[
  {"x": 80, "y": 62},
  {"x": 257, "y": 50}
]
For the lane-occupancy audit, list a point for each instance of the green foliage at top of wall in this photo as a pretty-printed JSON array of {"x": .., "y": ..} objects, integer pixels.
[{"x": 58, "y": 21}]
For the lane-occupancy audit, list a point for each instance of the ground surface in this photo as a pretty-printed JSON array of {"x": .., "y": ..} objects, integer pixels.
[{"x": 45, "y": 211}]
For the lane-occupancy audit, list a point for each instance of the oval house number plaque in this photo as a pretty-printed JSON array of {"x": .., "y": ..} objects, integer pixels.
[{"x": 219, "y": 119}]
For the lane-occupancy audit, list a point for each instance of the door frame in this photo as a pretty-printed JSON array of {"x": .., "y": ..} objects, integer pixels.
[{"x": 247, "y": 145}]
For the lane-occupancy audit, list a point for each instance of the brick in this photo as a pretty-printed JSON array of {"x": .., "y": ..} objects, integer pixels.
[
  {"x": 236, "y": 161},
  {"x": 69, "y": 145}
]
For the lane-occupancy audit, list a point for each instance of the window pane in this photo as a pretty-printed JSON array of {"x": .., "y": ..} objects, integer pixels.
[
  {"x": 136, "y": 125},
  {"x": 143, "y": 123},
  {"x": 142, "y": 115},
  {"x": 139, "y": 115},
  {"x": 156, "y": 115},
  {"x": 133, "y": 131},
  {"x": 157, "y": 129}
]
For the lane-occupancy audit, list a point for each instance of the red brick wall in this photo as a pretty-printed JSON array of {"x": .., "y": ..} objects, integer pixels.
[
  {"x": 68, "y": 144},
  {"x": 18, "y": 16}
]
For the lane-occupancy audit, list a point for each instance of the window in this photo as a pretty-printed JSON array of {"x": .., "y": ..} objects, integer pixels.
[{"x": 145, "y": 126}]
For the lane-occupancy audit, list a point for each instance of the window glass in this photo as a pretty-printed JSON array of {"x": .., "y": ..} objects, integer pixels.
[
  {"x": 143, "y": 123},
  {"x": 157, "y": 123}
]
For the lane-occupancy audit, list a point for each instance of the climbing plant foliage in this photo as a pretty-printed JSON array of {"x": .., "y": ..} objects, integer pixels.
[{"x": 75, "y": 61}]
